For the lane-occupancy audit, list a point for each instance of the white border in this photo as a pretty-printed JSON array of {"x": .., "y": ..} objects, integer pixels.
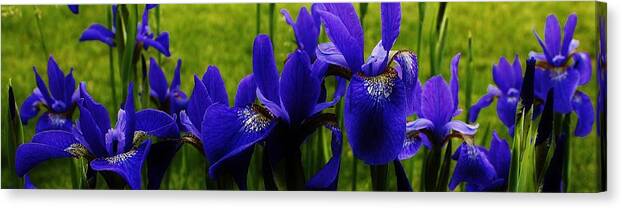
[{"x": 175, "y": 199}]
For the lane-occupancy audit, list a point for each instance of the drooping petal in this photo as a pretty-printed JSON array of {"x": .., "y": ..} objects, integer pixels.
[
  {"x": 227, "y": 133},
  {"x": 264, "y": 68},
  {"x": 44, "y": 146},
  {"x": 161, "y": 43},
  {"x": 215, "y": 85},
  {"x": 246, "y": 91},
  {"x": 199, "y": 101},
  {"x": 414, "y": 138},
  {"x": 50, "y": 121},
  {"x": 157, "y": 82},
  {"x": 565, "y": 85},
  {"x": 542, "y": 83},
  {"x": 100, "y": 33},
  {"x": 552, "y": 35},
  {"x": 378, "y": 140},
  {"x": 547, "y": 55},
  {"x": 391, "y": 16},
  {"x": 128, "y": 165},
  {"x": 506, "y": 109},
  {"x": 461, "y": 127},
  {"x": 328, "y": 52},
  {"x": 339, "y": 92},
  {"x": 582, "y": 105},
  {"x": 345, "y": 31},
  {"x": 437, "y": 101},
  {"x": 327, "y": 177},
  {"x": 472, "y": 167},
  {"x": 30, "y": 107},
  {"x": 156, "y": 123},
  {"x": 583, "y": 64},
  {"x": 499, "y": 156},
  {"x": 407, "y": 66},
  {"x": 482, "y": 103},
  {"x": 299, "y": 88},
  {"x": 454, "y": 83},
  {"x": 569, "y": 28},
  {"x": 158, "y": 161}
]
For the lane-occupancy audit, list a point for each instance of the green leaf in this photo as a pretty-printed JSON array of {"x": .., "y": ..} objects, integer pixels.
[{"x": 15, "y": 138}]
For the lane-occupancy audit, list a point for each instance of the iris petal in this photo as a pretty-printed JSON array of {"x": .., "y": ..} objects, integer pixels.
[
  {"x": 582, "y": 105},
  {"x": 56, "y": 79},
  {"x": 378, "y": 140},
  {"x": 128, "y": 165},
  {"x": 499, "y": 156},
  {"x": 407, "y": 66},
  {"x": 391, "y": 16},
  {"x": 30, "y": 107},
  {"x": 44, "y": 146},
  {"x": 482, "y": 103},
  {"x": 565, "y": 85},
  {"x": 215, "y": 85},
  {"x": 100, "y": 33},
  {"x": 157, "y": 81},
  {"x": 327, "y": 177},
  {"x": 156, "y": 123},
  {"x": 264, "y": 68},
  {"x": 583, "y": 64},
  {"x": 472, "y": 167},
  {"x": 49, "y": 121},
  {"x": 437, "y": 101},
  {"x": 345, "y": 31},
  {"x": 158, "y": 160},
  {"x": 569, "y": 28},
  {"x": 552, "y": 35},
  {"x": 454, "y": 83},
  {"x": 199, "y": 101},
  {"x": 246, "y": 91},
  {"x": 299, "y": 88},
  {"x": 228, "y": 133},
  {"x": 305, "y": 30},
  {"x": 328, "y": 52}
]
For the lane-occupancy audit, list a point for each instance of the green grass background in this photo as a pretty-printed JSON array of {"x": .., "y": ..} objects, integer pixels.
[{"x": 222, "y": 35}]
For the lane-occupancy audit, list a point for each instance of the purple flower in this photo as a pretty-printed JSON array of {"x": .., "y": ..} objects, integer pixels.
[
  {"x": 116, "y": 149},
  {"x": 564, "y": 69},
  {"x": 376, "y": 101},
  {"x": 168, "y": 98},
  {"x": 508, "y": 79},
  {"x": 59, "y": 100},
  {"x": 144, "y": 36},
  {"x": 481, "y": 169},
  {"x": 438, "y": 106},
  {"x": 306, "y": 29}
]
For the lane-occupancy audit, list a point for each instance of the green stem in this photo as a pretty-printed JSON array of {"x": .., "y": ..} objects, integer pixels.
[
  {"x": 433, "y": 163},
  {"x": 443, "y": 180},
  {"x": 41, "y": 41},
  {"x": 379, "y": 175},
  {"x": 258, "y": 18},
  {"x": 567, "y": 170},
  {"x": 111, "y": 64},
  {"x": 272, "y": 23}
]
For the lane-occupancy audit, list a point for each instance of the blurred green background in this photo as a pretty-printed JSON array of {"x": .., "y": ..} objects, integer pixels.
[{"x": 222, "y": 35}]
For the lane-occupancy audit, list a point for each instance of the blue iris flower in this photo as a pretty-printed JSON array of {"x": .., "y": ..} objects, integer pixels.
[
  {"x": 436, "y": 104},
  {"x": 117, "y": 149},
  {"x": 171, "y": 98},
  {"x": 144, "y": 36},
  {"x": 562, "y": 68},
  {"x": 481, "y": 169},
  {"x": 377, "y": 90},
  {"x": 59, "y": 100},
  {"x": 508, "y": 79}
]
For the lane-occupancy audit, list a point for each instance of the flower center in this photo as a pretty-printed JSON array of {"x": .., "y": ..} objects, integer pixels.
[
  {"x": 380, "y": 87},
  {"x": 121, "y": 157},
  {"x": 115, "y": 140},
  {"x": 513, "y": 95},
  {"x": 558, "y": 73},
  {"x": 76, "y": 150},
  {"x": 57, "y": 120},
  {"x": 253, "y": 120}
]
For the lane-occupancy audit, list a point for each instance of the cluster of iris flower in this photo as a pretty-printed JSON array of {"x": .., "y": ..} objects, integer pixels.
[{"x": 280, "y": 112}]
